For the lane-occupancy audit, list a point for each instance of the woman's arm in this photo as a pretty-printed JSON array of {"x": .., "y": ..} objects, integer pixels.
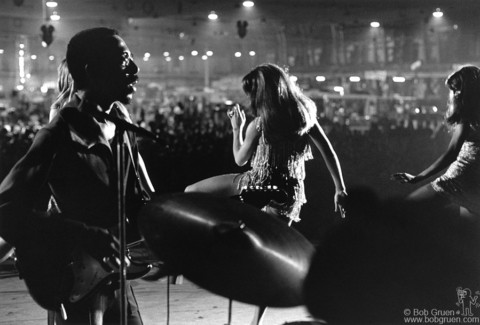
[
  {"x": 243, "y": 148},
  {"x": 459, "y": 134},
  {"x": 319, "y": 138}
]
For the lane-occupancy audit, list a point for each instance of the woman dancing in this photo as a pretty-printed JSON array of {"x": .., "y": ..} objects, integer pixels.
[
  {"x": 460, "y": 183},
  {"x": 277, "y": 143}
]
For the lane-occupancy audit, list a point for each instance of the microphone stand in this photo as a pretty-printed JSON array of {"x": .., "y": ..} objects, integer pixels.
[
  {"x": 122, "y": 223},
  {"x": 121, "y": 127}
]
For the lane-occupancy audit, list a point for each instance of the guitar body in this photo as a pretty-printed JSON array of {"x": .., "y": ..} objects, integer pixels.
[{"x": 67, "y": 277}]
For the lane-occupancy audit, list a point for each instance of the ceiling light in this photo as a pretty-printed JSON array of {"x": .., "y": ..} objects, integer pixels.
[
  {"x": 320, "y": 78},
  {"x": 212, "y": 15},
  {"x": 339, "y": 89},
  {"x": 55, "y": 16},
  {"x": 375, "y": 24},
  {"x": 181, "y": 58},
  {"x": 437, "y": 13},
  {"x": 398, "y": 79},
  {"x": 354, "y": 79},
  {"x": 238, "y": 54},
  {"x": 248, "y": 4},
  {"x": 194, "y": 53},
  {"x": 252, "y": 53},
  {"x": 165, "y": 54},
  {"x": 209, "y": 53},
  {"x": 51, "y": 4},
  {"x": 204, "y": 57}
]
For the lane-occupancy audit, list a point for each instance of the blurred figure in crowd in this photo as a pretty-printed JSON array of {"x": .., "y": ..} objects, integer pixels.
[{"x": 460, "y": 184}]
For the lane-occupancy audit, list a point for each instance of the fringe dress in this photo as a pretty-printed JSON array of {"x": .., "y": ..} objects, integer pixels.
[
  {"x": 281, "y": 164},
  {"x": 461, "y": 181}
]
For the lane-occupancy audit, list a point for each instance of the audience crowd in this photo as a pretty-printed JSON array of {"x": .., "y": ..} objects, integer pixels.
[{"x": 195, "y": 142}]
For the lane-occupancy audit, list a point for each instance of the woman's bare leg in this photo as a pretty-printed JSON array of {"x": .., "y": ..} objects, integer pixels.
[{"x": 222, "y": 185}]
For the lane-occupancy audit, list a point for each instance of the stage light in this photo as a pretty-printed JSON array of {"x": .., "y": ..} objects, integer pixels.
[
  {"x": 320, "y": 78},
  {"x": 55, "y": 16},
  {"x": 434, "y": 109},
  {"x": 204, "y": 57},
  {"x": 2, "y": 51},
  {"x": 22, "y": 46},
  {"x": 375, "y": 24},
  {"x": 33, "y": 57},
  {"x": 248, "y": 4},
  {"x": 20, "y": 87},
  {"x": 417, "y": 110},
  {"x": 354, "y": 79},
  {"x": 181, "y": 58},
  {"x": 194, "y": 53},
  {"x": 398, "y": 79},
  {"x": 209, "y": 53},
  {"x": 238, "y": 54},
  {"x": 166, "y": 54},
  {"x": 51, "y": 58},
  {"x": 212, "y": 15},
  {"x": 22, "y": 80},
  {"x": 437, "y": 13},
  {"x": 21, "y": 52},
  {"x": 168, "y": 59},
  {"x": 252, "y": 53},
  {"x": 146, "y": 55},
  {"x": 51, "y": 4}
]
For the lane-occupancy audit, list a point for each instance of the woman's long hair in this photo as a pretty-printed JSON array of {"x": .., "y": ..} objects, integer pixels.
[
  {"x": 66, "y": 89},
  {"x": 465, "y": 103},
  {"x": 285, "y": 112}
]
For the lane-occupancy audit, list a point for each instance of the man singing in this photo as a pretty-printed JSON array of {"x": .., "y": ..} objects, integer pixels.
[{"x": 70, "y": 171}]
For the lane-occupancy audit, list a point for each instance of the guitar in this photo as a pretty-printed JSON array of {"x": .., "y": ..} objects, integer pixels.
[{"x": 63, "y": 277}]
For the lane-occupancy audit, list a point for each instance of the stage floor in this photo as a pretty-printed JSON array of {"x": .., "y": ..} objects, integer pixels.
[{"x": 189, "y": 305}]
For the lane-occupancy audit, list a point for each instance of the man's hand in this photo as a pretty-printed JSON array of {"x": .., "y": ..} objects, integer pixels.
[{"x": 103, "y": 246}]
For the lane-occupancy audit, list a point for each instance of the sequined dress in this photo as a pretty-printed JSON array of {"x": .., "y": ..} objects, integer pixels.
[
  {"x": 461, "y": 181},
  {"x": 281, "y": 164}
]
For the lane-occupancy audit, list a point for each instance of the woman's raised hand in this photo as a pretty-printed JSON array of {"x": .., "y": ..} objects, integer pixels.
[
  {"x": 237, "y": 117},
  {"x": 404, "y": 178}
]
